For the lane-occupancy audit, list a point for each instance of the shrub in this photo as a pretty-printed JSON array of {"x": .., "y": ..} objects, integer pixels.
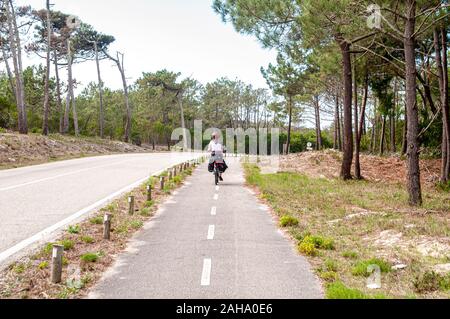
[
  {"x": 67, "y": 244},
  {"x": 136, "y": 224},
  {"x": 74, "y": 229},
  {"x": 307, "y": 249},
  {"x": 320, "y": 242},
  {"x": 98, "y": 220},
  {"x": 43, "y": 265},
  {"x": 360, "y": 269},
  {"x": 177, "y": 179},
  {"x": 149, "y": 204},
  {"x": 431, "y": 281},
  {"x": 145, "y": 212},
  {"x": 89, "y": 257},
  {"x": 287, "y": 220}
]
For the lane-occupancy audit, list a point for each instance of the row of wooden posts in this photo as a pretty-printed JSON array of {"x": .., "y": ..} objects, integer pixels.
[{"x": 58, "y": 250}]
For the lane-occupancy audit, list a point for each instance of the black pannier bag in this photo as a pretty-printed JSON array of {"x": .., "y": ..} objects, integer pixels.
[{"x": 222, "y": 167}]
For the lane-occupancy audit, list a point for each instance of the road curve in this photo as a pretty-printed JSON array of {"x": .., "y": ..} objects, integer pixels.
[{"x": 37, "y": 200}]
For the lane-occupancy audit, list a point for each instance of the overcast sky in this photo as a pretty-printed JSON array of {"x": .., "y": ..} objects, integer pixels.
[{"x": 179, "y": 35}]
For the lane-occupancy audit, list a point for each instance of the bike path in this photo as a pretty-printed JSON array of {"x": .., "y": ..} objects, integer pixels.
[{"x": 210, "y": 242}]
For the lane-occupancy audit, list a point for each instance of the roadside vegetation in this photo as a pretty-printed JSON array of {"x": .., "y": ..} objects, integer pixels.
[
  {"x": 342, "y": 227},
  {"x": 86, "y": 254}
]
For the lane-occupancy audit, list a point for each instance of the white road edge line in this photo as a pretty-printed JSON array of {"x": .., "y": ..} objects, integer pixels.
[
  {"x": 211, "y": 230},
  {"x": 42, "y": 234},
  {"x": 214, "y": 211},
  {"x": 216, "y": 196},
  {"x": 206, "y": 273}
]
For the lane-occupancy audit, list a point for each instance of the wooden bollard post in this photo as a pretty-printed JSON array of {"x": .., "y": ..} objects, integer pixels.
[
  {"x": 170, "y": 174},
  {"x": 161, "y": 180},
  {"x": 57, "y": 260},
  {"x": 131, "y": 205},
  {"x": 174, "y": 171},
  {"x": 107, "y": 226},
  {"x": 149, "y": 193}
]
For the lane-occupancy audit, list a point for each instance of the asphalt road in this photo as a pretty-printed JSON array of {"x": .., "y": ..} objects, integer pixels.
[
  {"x": 36, "y": 201},
  {"x": 208, "y": 242}
]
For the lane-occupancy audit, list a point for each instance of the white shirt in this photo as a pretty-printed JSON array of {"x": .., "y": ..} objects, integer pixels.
[{"x": 215, "y": 146}]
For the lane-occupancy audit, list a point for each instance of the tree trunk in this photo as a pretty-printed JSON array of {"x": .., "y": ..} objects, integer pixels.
[
  {"x": 347, "y": 105},
  {"x": 373, "y": 138},
  {"x": 445, "y": 106},
  {"x": 336, "y": 124},
  {"x": 392, "y": 117},
  {"x": 405, "y": 131},
  {"x": 356, "y": 124},
  {"x": 100, "y": 92},
  {"x": 15, "y": 46},
  {"x": 47, "y": 73},
  {"x": 58, "y": 92},
  {"x": 318, "y": 130},
  {"x": 288, "y": 143},
  {"x": 383, "y": 134},
  {"x": 9, "y": 73},
  {"x": 441, "y": 61},
  {"x": 127, "y": 100},
  {"x": 414, "y": 188},
  {"x": 361, "y": 125}
]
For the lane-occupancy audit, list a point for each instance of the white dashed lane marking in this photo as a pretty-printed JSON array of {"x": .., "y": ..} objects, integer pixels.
[
  {"x": 206, "y": 273},
  {"x": 214, "y": 211},
  {"x": 211, "y": 230},
  {"x": 216, "y": 196}
]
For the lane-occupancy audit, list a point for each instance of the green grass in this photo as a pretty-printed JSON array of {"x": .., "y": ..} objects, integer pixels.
[
  {"x": 97, "y": 220},
  {"x": 337, "y": 290},
  {"x": 67, "y": 244},
  {"x": 90, "y": 257},
  {"x": 361, "y": 267},
  {"x": 321, "y": 206},
  {"x": 43, "y": 265},
  {"x": 74, "y": 229},
  {"x": 350, "y": 254},
  {"x": 145, "y": 212},
  {"x": 136, "y": 224},
  {"x": 287, "y": 220}
]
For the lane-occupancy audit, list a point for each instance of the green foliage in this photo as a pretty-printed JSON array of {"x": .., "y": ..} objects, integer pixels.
[
  {"x": 74, "y": 229},
  {"x": 361, "y": 268},
  {"x": 97, "y": 220},
  {"x": 329, "y": 276},
  {"x": 338, "y": 290},
  {"x": 136, "y": 224},
  {"x": 67, "y": 244},
  {"x": 90, "y": 257},
  {"x": 43, "y": 265},
  {"x": 320, "y": 242},
  {"x": 308, "y": 249},
  {"x": 286, "y": 221}
]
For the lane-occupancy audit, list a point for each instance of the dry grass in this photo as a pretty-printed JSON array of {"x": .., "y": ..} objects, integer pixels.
[
  {"x": 88, "y": 254},
  {"x": 21, "y": 150},
  {"x": 367, "y": 221},
  {"x": 390, "y": 170}
]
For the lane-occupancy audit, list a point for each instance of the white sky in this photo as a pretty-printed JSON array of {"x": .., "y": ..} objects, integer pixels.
[{"x": 179, "y": 35}]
